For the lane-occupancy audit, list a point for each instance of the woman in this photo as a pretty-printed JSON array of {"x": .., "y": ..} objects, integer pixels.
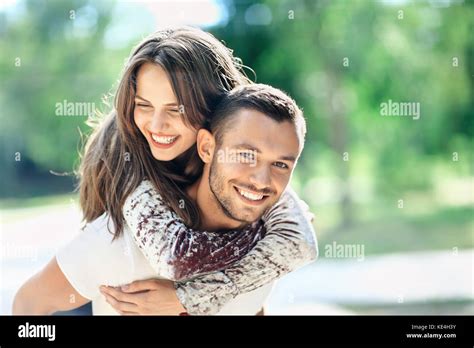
[{"x": 171, "y": 84}]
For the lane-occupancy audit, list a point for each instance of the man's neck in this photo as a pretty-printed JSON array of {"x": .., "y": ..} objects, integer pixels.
[{"x": 212, "y": 216}]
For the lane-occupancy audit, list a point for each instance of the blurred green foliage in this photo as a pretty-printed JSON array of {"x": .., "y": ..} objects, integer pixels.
[{"x": 339, "y": 59}]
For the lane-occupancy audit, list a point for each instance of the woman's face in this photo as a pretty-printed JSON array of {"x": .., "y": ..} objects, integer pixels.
[{"x": 157, "y": 114}]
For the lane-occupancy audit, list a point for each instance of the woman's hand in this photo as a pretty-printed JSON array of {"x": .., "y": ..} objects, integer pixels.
[{"x": 144, "y": 297}]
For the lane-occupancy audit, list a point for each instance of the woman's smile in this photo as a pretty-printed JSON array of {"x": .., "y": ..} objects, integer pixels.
[{"x": 163, "y": 141}]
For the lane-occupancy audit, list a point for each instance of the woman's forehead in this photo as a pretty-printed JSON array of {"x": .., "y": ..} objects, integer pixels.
[{"x": 153, "y": 84}]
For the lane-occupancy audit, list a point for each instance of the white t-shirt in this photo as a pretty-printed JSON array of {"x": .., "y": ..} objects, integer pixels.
[{"x": 92, "y": 259}]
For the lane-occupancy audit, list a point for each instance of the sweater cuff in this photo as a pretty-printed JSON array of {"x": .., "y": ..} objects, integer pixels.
[{"x": 207, "y": 294}]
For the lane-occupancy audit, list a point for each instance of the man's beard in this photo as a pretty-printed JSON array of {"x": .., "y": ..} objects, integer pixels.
[{"x": 216, "y": 185}]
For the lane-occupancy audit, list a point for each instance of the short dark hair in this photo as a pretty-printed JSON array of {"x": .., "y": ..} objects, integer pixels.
[{"x": 266, "y": 99}]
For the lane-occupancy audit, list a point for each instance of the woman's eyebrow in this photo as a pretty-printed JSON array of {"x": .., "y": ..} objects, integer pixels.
[
  {"x": 138, "y": 97},
  {"x": 167, "y": 104}
]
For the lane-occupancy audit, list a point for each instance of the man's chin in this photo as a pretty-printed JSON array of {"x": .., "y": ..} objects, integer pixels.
[{"x": 247, "y": 218}]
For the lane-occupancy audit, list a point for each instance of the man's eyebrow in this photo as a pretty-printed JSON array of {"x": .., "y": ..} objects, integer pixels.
[
  {"x": 288, "y": 158},
  {"x": 247, "y": 147}
]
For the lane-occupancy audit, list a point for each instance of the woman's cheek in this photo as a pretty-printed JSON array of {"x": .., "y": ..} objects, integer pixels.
[
  {"x": 139, "y": 121},
  {"x": 189, "y": 136}
]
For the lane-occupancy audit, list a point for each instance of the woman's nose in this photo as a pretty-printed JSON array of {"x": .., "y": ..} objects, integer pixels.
[{"x": 159, "y": 122}]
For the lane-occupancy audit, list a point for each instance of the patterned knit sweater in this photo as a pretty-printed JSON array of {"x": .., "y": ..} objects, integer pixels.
[{"x": 211, "y": 268}]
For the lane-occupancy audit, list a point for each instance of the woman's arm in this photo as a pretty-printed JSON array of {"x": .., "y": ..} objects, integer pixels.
[
  {"x": 175, "y": 251},
  {"x": 289, "y": 243},
  {"x": 47, "y": 292}
]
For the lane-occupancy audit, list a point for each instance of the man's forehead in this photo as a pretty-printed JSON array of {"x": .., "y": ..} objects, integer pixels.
[{"x": 255, "y": 129}]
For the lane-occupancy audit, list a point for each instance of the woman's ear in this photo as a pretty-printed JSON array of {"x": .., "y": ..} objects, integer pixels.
[{"x": 205, "y": 145}]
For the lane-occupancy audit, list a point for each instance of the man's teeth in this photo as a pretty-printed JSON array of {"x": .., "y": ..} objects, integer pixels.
[
  {"x": 163, "y": 140},
  {"x": 250, "y": 196}
]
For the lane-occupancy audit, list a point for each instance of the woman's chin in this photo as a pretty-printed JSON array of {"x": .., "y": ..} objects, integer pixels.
[{"x": 163, "y": 156}]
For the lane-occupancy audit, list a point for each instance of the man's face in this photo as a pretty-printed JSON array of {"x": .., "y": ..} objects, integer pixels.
[{"x": 253, "y": 164}]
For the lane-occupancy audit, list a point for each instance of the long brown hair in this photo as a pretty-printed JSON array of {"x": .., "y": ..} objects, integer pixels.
[{"x": 117, "y": 156}]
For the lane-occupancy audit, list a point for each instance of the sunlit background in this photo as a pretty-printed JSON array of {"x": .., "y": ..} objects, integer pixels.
[{"x": 394, "y": 193}]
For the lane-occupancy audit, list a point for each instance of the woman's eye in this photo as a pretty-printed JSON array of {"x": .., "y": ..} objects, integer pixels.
[
  {"x": 281, "y": 165},
  {"x": 143, "y": 106}
]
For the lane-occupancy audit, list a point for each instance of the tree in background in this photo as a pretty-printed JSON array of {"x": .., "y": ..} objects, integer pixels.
[{"x": 341, "y": 60}]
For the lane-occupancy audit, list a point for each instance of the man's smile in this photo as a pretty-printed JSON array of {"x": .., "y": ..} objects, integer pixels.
[{"x": 250, "y": 197}]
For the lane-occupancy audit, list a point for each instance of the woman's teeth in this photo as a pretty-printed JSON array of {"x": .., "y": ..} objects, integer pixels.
[
  {"x": 249, "y": 195},
  {"x": 163, "y": 140}
]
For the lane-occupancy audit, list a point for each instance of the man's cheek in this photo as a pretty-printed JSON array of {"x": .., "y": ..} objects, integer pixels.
[
  {"x": 234, "y": 170},
  {"x": 280, "y": 185}
]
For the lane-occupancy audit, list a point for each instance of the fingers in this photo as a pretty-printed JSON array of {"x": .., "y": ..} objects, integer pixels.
[
  {"x": 117, "y": 294},
  {"x": 145, "y": 285},
  {"x": 140, "y": 285},
  {"x": 135, "y": 299},
  {"x": 124, "y": 308}
]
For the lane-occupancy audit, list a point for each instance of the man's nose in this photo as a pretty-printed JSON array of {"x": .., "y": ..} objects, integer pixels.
[{"x": 261, "y": 177}]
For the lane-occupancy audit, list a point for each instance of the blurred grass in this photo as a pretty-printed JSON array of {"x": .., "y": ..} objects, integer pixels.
[
  {"x": 13, "y": 209},
  {"x": 452, "y": 307},
  {"x": 379, "y": 226},
  {"x": 382, "y": 228},
  {"x": 34, "y": 202}
]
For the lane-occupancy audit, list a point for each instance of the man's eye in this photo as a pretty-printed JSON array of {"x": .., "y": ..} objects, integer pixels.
[
  {"x": 247, "y": 156},
  {"x": 281, "y": 165}
]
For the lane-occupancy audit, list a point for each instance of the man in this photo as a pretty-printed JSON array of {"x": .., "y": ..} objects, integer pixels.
[{"x": 249, "y": 155}]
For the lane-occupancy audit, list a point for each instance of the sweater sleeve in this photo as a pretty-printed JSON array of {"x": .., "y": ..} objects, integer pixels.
[
  {"x": 175, "y": 251},
  {"x": 290, "y": 243}
]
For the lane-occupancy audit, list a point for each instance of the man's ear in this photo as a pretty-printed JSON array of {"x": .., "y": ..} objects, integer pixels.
[{"x": 205, "y": 145}]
